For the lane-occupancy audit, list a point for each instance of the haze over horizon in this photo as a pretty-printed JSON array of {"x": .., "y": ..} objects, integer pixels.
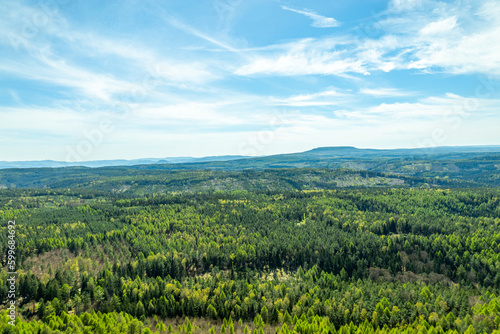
[{"x": 84, "y": 81}]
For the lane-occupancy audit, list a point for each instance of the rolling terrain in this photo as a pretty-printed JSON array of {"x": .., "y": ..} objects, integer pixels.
[
  {"x": 322, "y": 168},
  {"x": 332, "y": 240}
]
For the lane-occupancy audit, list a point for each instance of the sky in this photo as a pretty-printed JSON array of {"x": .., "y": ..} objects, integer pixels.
[{"x": 93, "y": 80}]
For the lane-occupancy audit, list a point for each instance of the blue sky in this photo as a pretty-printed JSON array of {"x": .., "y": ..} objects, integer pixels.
[{"x": 90, "y": 80}]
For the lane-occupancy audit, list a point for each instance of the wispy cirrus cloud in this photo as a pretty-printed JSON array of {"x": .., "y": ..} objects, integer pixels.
[
  {"x": 426, "y": 108},
  {"x": 319, "y": 21},
  {"x": 385, "y": 92},
  {"x": 328, "y": 97},
  {"x": 49, "y": 69},
  {"x": 440, "y": 27},
  {"x": 400, "y": 5},
  {"x": 450, "y": 39},
  {"x": 452, "y": 47},
  {"x": 303, "y": 57},
  {"x": 91, "y": 65}
]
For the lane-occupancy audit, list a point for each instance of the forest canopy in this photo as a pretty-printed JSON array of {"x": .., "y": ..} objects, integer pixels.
[{"x": 309, "y": 261}]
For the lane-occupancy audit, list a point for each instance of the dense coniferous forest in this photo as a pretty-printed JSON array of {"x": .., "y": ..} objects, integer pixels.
[{"x": 387, "y": 259}]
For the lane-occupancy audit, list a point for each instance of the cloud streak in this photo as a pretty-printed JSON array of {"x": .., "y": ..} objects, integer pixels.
[{"x": 319, "y": 21}]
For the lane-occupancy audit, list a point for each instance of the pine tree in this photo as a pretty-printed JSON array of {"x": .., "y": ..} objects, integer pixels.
[{"x": 287, "y": 318}]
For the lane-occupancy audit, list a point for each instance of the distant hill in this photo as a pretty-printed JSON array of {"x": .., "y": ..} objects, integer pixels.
[
  {"x": 310, "y": 158},
  {"x": 346, "y": 157},
  {"x": 352, "y": 151},
  {"x": 470, "y": 166},
  {"x": 109, "y": 163}
]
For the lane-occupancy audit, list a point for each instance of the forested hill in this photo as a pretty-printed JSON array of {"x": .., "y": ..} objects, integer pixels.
[
  {"x": 418, "y": 162},
  {"x": 318, "y": 157},
  {"x": 322, "y": 168},
  {"x": 150, "y": 181}
]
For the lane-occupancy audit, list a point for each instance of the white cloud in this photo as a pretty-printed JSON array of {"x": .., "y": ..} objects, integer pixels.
[
  {"x": 144, "y": 59},
  {"x": 429, "y": 109},
  {"x": 306, "y": 97},
  {"x": 44, "y": 67},
  {"x": 324, "y": 98},
  {"x": 189, "y": 29},
  {"x": 384, "y": 92},
  {"x": 400, "y": 5},
  {"x": 15, "y": 96},
  {"x": 473, "y": 53},
  {"x": 319, "y": 21},
  {"x": 81, "y": 64},
  {"x": 440, "y": 27},
  {"x": 302, "y": 64},
  {"x": 449, "y": 38},
  {"x": 454, "y": 39},
  {"x": 304, "y": 57},
  {"x": 489, "y": 11}
]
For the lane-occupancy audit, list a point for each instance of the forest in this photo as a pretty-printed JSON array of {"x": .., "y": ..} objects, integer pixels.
[
  {"x": 320, "y": 168},
  {"x": 359, "y": 260}
]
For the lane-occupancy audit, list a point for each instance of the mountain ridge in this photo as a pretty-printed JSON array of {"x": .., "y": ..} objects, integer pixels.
[{"x": 323, "y": 152}]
